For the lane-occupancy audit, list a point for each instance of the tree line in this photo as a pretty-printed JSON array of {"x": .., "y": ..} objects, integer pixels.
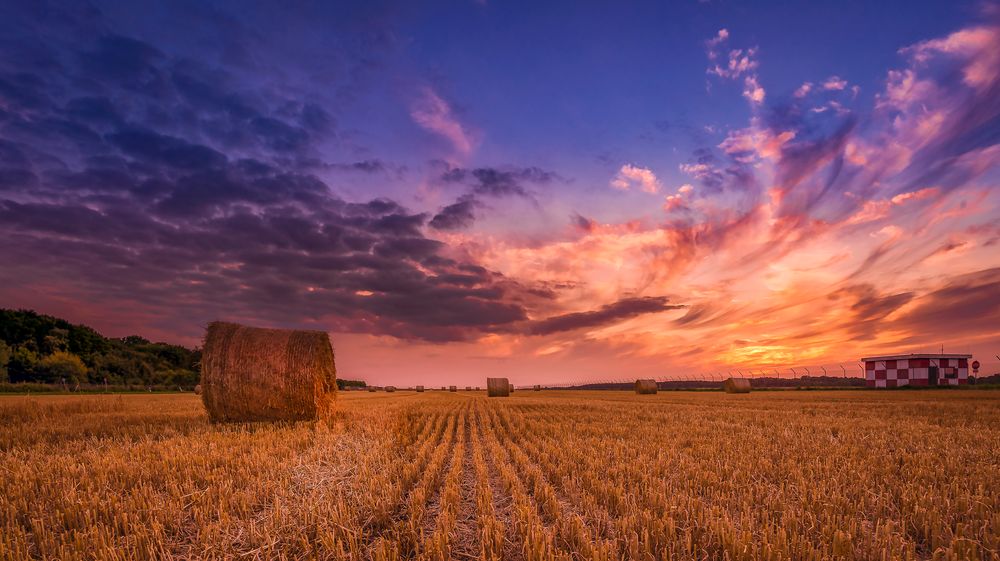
[
  {"x": 38, "y": 348},
  {"x": 41, "y": 349}
]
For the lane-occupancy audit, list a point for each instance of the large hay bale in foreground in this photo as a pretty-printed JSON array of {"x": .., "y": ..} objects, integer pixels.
[
  {"x": 645, "y": 387},
  {"x": 254, "y": 374},
  {"x": 420, "y": 389},
  {"x": 736, "y": 385},
  {"x": 497, "y": 387}
]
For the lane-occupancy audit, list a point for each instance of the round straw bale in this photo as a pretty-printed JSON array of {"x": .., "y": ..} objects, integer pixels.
[
  {"x": 420, "y": 389},
  {"x": 538, "y": 388},
  {"x": 645, "y": 387},
  {"x": 390, "y": 389},
  {"x": 510, "y": 387},
  {"x": 372, "y": 389},
  {"x": 497, "y": 387},
  {"x": 254, "y": 374},
  {"x": 736, "y": 385},
  {"x": 452, "y": 388},
  {"x": 197, "y": 390}
]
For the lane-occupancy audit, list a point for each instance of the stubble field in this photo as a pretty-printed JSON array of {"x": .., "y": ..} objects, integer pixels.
[{"x": 539, "y": 475}]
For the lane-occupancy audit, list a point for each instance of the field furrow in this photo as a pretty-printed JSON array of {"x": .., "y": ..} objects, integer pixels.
[{"x": 548, "y": 476}]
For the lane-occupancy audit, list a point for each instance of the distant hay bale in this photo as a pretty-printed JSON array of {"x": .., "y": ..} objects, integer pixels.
[
  {"x": 197, "y": 390},
  {"x": 497, "y": 387},
  {"x": 645, "y": 387},
  {"x": 444, "y": 389},
  {"x": 477, "y": 388},
  {"x": 372, "y": 388},
  {"x": 510, "y": 387},
  {"x": 452, "y": 388},
  {"x": 420, "y": 389},
  {"x": 254, "y": 374},
  {"x": 538, "y": 388},
  {"x": 736, "y": 385},
  {"x": 468, "y": 388},
  {"x": 390, "y": 389}
]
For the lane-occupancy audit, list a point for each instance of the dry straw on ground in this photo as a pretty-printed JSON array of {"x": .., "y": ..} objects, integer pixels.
[
  {"x": 431, "y": 478},
  {"x": 645, "y": 387},
  {"x": 254, "y": 374},
  {"x": 497, "y": 387},
  {"x": 736, "y": 385}
]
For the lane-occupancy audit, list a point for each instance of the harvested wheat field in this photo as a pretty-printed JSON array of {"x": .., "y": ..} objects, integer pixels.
[{"x": 547, "y": 475}]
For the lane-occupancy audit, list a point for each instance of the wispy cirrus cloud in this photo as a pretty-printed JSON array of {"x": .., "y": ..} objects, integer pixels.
[{"x": 435, "y": 114}]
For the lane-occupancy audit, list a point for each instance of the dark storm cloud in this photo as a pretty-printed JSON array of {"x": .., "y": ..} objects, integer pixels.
[
  {"x": 457, "y": 215},
  {"x": 482, "y": 183},
  {"x": 869, "y": 309},
  {"x": 621, "y": 310},
  {"x": 967, "y": 305},
  {"x": 500, "y": 182},
  {"x": 136, "y": 176}
]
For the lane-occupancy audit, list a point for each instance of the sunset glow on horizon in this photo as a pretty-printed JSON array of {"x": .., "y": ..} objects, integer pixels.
[{"x": 558, "y": 195}]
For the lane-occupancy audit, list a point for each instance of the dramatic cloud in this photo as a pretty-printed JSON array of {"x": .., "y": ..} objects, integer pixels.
[
  {"x": 290, "y": 167},
  {"x": 215, "y": 213}
]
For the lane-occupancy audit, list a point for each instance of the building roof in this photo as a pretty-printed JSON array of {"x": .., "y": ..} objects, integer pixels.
[{"x": 912, "y": 356}]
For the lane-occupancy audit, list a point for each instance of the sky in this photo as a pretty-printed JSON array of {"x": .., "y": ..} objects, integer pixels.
[{"x": 554, "y": 192}]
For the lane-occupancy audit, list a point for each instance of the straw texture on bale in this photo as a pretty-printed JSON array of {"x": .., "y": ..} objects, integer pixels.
[
  {"x": 736, "y": 385},
  {"x": 497, "y": 387},
  {"x": 254, "y": 374},
  {"x": 452, "y": 388},
  {"x": 420, "y": 389},
  {"x": 645, "y": 387},
  {"x": 197, "y": 390}
]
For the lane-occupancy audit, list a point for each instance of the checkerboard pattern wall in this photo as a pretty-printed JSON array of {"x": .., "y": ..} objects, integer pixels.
[{"x": 916, "y": 372}]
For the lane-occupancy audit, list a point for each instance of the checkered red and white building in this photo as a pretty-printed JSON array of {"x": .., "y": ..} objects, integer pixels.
[{"x": 916, "y": 370}]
